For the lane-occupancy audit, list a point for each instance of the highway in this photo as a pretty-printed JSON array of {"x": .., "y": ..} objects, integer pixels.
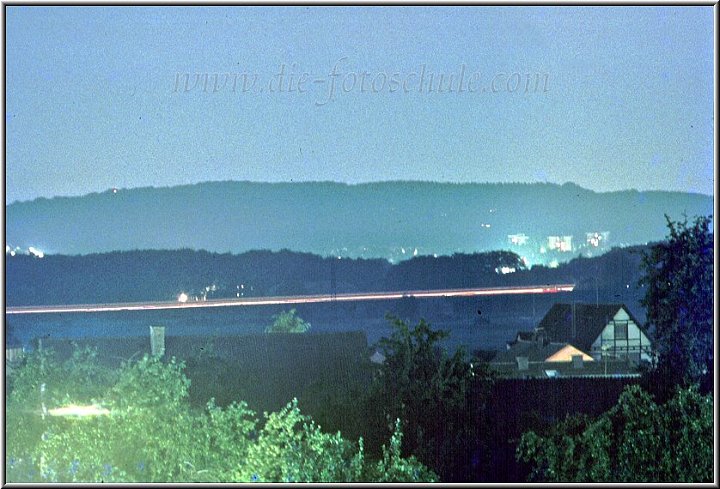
[{"x": 299, "y": 299}]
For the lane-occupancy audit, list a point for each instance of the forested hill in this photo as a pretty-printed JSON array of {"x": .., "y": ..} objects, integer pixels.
[{"x": 370, "y": 220}]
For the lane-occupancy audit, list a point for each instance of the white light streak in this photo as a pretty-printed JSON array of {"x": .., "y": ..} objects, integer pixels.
[{"x": 302, "y": 299}]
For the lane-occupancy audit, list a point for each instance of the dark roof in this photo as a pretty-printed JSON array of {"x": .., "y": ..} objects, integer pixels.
[
  {"x": 536, "y": 335},
  {"x": 261, "y": 348},
  {"x": 111, "y": 351},
  {"x": 535, "y": 352},
  {"x": 256, "y": 349},
  {"x": 525, "y": 335},
  {"x": 589, "y": 322},
  {"x": 567, "y": 369}
]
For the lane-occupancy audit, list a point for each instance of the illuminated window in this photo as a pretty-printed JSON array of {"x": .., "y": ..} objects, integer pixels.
[{"x": 621, "y": 331}]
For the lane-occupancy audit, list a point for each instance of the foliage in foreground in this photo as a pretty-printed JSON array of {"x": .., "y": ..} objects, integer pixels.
[
  {"x": 635, "y": 441},
  {"x": 152, "y": 435},
  {"x": 440, "y": 398},
  {"x": 288, "y": 322},
  {"x": 678, "y": 274}
]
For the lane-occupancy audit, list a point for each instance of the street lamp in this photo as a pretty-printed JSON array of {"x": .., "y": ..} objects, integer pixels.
[
  {"x": 604, "y": 349},
  {"x": 79, "y": 411},
  {"x": 605, "y": 353}
]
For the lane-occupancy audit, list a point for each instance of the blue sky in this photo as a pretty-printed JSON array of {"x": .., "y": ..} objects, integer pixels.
[{"x": 95, "y": 96}]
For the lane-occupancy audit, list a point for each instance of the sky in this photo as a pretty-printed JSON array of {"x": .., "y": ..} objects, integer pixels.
[{"x": 609, "y": 98}]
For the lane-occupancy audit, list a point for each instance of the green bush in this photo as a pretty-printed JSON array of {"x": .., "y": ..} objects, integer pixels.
[
  {"x": 635, "y": 441},
  {"x": 151, "y": 434},
  {"x": 288, "y": 322}
]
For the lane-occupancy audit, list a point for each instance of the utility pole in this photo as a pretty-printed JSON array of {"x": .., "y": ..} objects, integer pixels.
[
  {"x": 533, "y": 307},
  {"x": 333, "y": 286},
  {"x": 597, "y": 292},
  {"x": 333, "y": 278}
]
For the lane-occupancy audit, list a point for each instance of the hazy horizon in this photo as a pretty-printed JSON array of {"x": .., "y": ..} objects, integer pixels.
[{"x": 375, "y": 219}]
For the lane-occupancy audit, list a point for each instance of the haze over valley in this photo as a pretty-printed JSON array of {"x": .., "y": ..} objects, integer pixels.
[{"x": 543, "y": 223}]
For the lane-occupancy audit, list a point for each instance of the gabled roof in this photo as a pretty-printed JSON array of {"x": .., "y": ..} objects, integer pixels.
[
  {"x": 525, "y": 336},
  {"x": 589, "y": 322},
  {"x": 522, "y": 336},
  {"x": 566, "y": 353}
]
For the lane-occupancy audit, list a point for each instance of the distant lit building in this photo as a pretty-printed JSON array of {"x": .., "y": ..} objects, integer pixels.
[
  {"x": 518, "y": 239},
  {"x": 35, "y": 252},
  {"x": 597, "y": 240},
  {"x": 560, "y": 243}
]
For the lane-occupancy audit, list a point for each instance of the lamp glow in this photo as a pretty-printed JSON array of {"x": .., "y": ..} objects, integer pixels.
[{"x": 79, "y": 411}]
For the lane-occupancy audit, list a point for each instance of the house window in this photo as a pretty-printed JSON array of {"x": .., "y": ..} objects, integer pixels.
[{"x": 621, "y": 331}]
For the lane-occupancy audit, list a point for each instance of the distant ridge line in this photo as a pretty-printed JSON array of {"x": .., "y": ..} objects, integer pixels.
[
  {"x": 352, "y": 184},
  {"x": 370, "y": 220}
]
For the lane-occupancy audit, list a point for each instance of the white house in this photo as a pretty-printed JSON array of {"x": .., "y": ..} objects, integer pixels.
[
  {"x": 604, "y": 330},
  {"x": 622, "y": 337}
]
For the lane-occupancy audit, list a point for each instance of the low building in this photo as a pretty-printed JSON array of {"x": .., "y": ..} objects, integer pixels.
[
  {"x": 532, "y": 355},
  {"x": 597, "y": 239},
  {"x": 520, "y": 239},
  {"x": 560, "y": 243}
]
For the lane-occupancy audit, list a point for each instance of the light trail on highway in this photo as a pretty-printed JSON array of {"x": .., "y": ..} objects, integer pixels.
[{"x": 299, "y": 299}]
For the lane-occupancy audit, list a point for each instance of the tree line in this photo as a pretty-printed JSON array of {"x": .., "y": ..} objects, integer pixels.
[{"x": 155, "y": 275}]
